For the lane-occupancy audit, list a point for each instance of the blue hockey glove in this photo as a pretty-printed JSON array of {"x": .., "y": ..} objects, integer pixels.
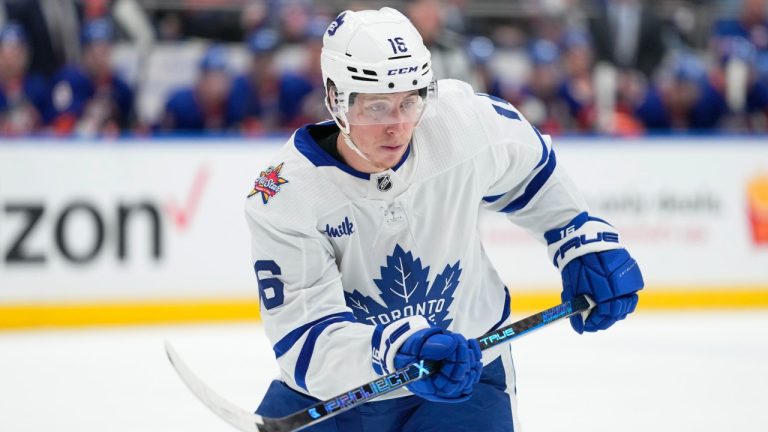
[
  {"x": 459, "y": 370},
  {"x": 612, "y": 278}
]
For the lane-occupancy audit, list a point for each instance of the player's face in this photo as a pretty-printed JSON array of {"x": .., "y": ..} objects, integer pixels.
[
  {"x": 97, "y": 58},
  {"x": 213, "y": 87},
  {"x": 13, "y": 59},
  {"x": 384, "y": 138}
]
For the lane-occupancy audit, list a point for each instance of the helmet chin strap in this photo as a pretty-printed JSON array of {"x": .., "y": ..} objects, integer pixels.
[
  {"x": 351, "y": 144},
  {"x": 344, "y": 130}
]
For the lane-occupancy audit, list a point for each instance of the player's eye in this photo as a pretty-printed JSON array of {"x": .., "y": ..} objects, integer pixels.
[
  {"x": 377, "y": 108},
  {"x": 409, "y": 104}
]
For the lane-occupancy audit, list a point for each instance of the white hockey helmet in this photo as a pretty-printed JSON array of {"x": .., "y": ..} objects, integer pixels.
[{"x": 379, "y": 52}]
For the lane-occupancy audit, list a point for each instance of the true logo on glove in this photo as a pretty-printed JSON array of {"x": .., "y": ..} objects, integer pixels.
[{"x": 582, "y": 240}]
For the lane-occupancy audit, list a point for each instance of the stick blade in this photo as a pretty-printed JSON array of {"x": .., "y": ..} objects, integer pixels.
[{"x": 226, "y": 410}]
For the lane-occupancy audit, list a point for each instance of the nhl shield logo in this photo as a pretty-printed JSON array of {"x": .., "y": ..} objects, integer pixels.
[{"x": 383, "y": 182}]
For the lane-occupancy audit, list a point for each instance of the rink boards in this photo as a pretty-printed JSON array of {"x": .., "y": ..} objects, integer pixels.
[{"x": 140, "y": 230}]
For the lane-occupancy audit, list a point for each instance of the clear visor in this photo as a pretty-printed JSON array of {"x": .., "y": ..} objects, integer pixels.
[{"x": 390, "y": 108}]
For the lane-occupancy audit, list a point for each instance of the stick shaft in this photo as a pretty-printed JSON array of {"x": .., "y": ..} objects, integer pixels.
[{"x": 402, "y": 377}]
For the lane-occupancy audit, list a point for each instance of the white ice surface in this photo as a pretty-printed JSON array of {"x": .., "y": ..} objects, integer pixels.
[{"x": 676, "y": 372}]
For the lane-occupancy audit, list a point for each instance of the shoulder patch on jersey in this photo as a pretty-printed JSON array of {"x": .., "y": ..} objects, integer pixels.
[
  {"x": 404, "y": 287},
  {"x": 268, "y": 183}
]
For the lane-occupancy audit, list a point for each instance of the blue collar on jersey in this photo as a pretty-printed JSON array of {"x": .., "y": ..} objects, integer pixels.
[{"x": 307, "y": 146}]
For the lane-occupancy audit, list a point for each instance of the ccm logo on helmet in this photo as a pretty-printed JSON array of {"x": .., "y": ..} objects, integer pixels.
[{"x": 404, "y": 70}]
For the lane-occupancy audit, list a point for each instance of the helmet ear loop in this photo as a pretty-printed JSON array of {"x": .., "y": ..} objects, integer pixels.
[
  {"x": 340, "y": 118},
  {"x": 427, "y": 105},
  {"x": 331, "y": 104}
]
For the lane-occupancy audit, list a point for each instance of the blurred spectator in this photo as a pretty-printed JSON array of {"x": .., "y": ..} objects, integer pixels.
[
  {"x": 255, "y": 16},
  {"x": 631, "y": 89},
  {"x": 294, "y": 17},
  {"x": 577, "y": 88},
  {"x": 628, "y": 34},
  {"x": 682, "y": 99},
  {"x": 548, "y": 19},
  {"x": 204, "y": 105},
  {"x": 752, "y": 25},
  {"x": 168, "y": 25},
  {"x": 540, "y": 101},
  {"x": 737, "y": 81},
  {"x": 481, "y": 50},
  {"x": 597, "y": 102},
  {"x": 454, "y": 15},
  {"x": 449, "y": 59},
  {"x": 24, "y": 99},
  {"x": 294, "y": 80},
  {"x": 293, "y": 20},
  {"x": 52, "y": 27},
  {"x": 91, "y": 98},
  {"x": 596, "y": 79},
  {"x": 282, "y": 88},
  {"x": 301, "y": 91},
  {"x": 255, "y": 95},
  {"x": 509, "y": 66}
]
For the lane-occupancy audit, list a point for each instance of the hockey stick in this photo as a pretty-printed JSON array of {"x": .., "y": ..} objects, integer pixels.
[{"x": 248, "y": 422}]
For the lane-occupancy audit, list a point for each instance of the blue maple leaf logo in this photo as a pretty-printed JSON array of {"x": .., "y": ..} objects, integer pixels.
[
  {"x": 336, "y": 24},
  {"x": 404, "y": 288}
]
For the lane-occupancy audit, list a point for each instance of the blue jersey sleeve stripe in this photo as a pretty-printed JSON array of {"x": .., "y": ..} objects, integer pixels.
[
  {"x": 289, "y": 340},
  {"x": 506, "y": 113},
  {"x": 492, "y": 198},
  {"x": 305, "y": 356},
  {"x": 504, "y": 313},
  {"x": 544, "y": 156},
  {"x": 533, "y": 186},
  {"x": 544, "y": 150}
]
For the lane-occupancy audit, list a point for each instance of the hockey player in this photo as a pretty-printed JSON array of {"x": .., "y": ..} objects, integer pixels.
[{"x": 366, "y": 248}]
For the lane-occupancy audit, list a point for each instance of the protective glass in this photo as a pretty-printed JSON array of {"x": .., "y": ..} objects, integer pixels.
[{"x": 392, "y": 108}]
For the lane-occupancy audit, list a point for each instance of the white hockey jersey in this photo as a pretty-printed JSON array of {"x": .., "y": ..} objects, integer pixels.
[{"x": 337, "y": 252}]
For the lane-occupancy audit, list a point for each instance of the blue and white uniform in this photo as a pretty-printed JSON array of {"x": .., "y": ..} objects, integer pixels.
[{"x": 344, "y": 258}]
